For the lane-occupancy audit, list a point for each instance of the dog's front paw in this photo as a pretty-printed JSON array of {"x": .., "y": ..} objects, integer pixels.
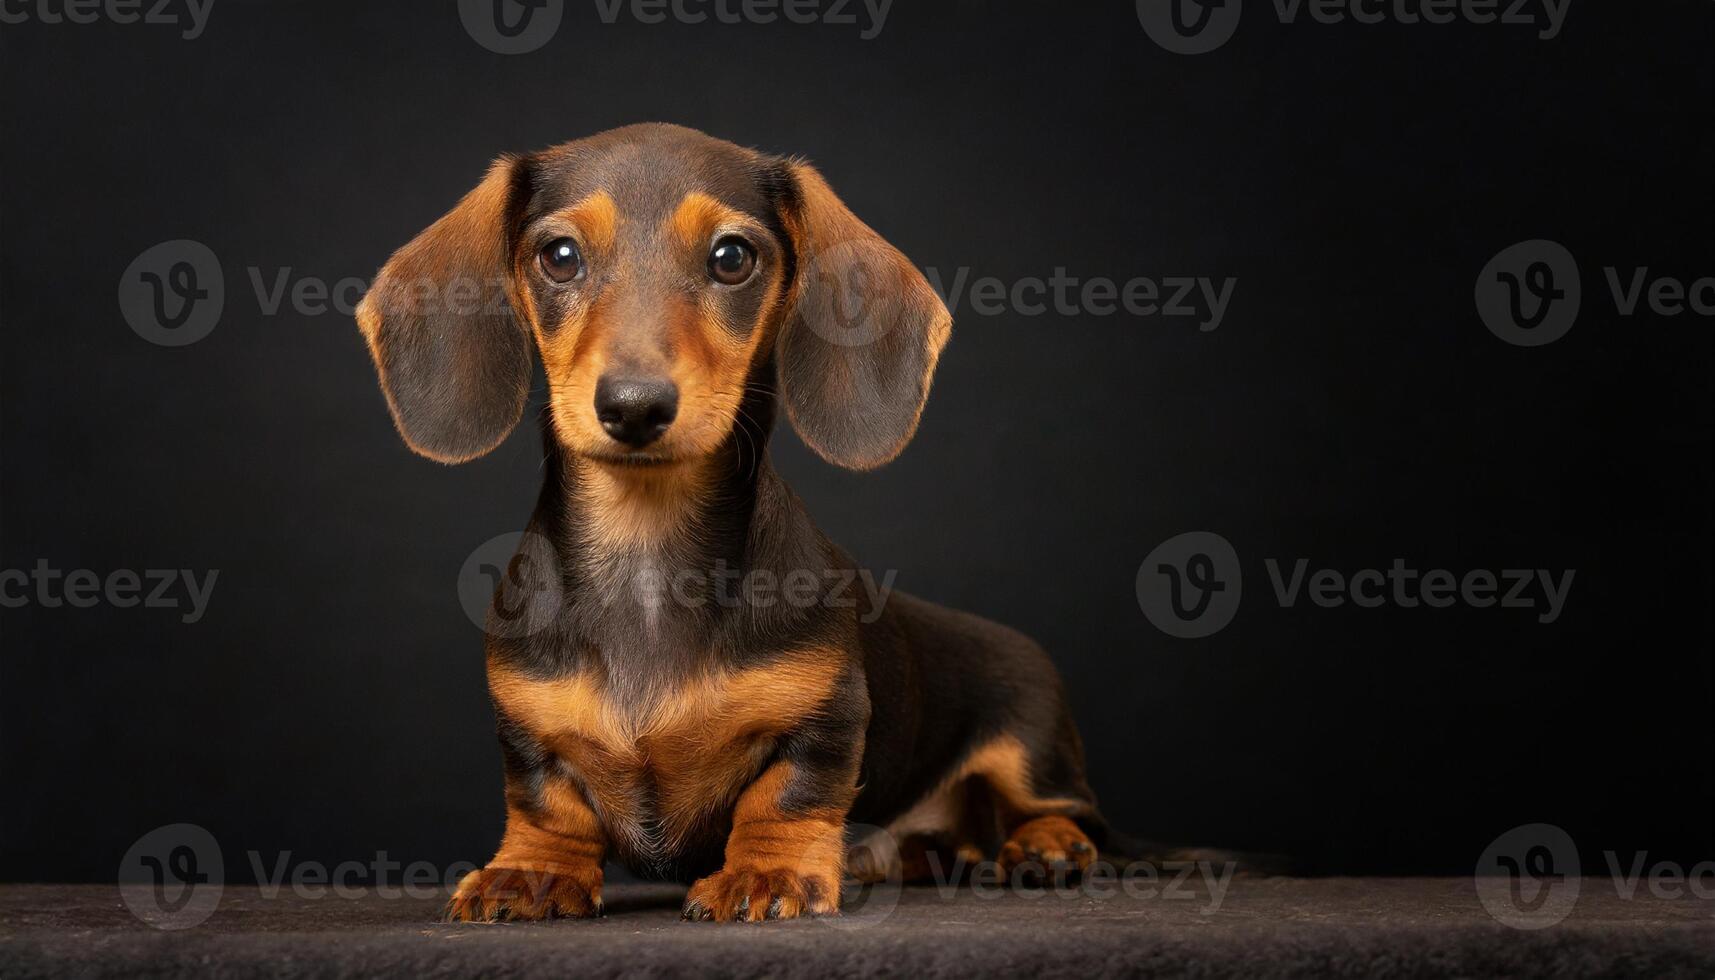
[
  {"x": 1047, "y": 847},
  {"x": 496, "y": 893},
  {"x": 751, "y": 895}
]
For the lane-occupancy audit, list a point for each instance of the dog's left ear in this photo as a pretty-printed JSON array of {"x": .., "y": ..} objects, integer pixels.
[
  {"x": 452, "y": 354},
  {"x": 861, "y": 334}
]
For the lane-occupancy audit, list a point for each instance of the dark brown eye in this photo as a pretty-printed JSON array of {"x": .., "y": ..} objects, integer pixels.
[
  {"x": 731, "y": 261},
  {"x": 561, "y": 260}
]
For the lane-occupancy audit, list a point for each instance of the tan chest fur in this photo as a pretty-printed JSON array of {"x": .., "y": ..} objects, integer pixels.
[{"x": 654, "y": 772}]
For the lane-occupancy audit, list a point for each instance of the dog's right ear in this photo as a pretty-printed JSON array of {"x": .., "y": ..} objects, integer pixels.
[{"x": 443, "y": 327}]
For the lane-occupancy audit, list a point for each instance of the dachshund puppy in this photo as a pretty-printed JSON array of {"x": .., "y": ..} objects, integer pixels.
[{"x": 681, "y": 292}]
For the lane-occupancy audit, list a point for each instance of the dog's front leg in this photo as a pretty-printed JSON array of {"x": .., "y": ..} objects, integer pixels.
[
  {"x": 549, "y": 862},
  {"x": 785, "y": 854}
]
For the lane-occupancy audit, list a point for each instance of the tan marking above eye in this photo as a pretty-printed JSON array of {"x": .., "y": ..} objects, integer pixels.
[
  {"x": 697, "y": 218},
  {"x": 596, "y": 217}
]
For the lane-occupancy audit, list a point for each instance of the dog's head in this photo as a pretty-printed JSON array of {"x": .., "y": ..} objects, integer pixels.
[{"x": 659, "y": 272}]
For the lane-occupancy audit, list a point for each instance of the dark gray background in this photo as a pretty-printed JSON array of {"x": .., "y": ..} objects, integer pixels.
[{"x": 1351, "y": 409}]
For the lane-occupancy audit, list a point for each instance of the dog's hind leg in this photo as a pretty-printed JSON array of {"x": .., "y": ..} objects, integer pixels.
[{"x": 1043, "y": 808}]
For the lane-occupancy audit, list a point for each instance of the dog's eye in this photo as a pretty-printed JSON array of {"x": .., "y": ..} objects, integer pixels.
[
  {"x": 561, "y": 260},
  {"x": 731, "y": 261}
]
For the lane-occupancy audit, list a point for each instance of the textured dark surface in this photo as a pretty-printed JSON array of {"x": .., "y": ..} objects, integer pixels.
[{"x": 1368, "y": 927}]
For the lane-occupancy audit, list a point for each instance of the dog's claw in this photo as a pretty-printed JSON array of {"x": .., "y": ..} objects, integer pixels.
[{"x": 747, "y": 895}]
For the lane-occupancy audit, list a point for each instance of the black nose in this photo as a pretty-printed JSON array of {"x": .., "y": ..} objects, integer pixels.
[{"x": 635, "y": 410}]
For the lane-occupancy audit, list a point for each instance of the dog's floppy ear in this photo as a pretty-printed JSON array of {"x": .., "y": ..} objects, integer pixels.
[
  {"x": 861, "y": 333},
  {"x": 453, "y": 356}
]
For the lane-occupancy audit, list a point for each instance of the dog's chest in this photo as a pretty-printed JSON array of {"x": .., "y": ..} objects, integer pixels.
[{"x": 663, "y": 769}]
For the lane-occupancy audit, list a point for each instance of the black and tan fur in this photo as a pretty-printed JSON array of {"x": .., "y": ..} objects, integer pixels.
[{"x": 727, "y": 745}]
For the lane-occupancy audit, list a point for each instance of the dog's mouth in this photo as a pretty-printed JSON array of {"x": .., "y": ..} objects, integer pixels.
[{"x": 634, "y": 458}]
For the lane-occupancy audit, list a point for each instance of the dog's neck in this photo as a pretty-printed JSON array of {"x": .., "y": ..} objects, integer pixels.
[
  {"x": 640, "y": 511},
  {"x": 656, "y": 559},
  {"x": 626, "y": 529}
]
